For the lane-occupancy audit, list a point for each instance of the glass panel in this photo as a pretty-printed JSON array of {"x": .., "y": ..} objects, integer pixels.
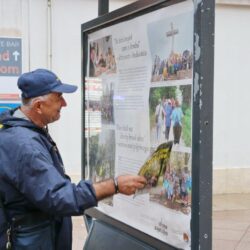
[{"x": 138, "y": 118}]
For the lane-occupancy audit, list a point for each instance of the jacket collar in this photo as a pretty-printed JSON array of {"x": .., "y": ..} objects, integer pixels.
[{"x": 8, "y": 119}]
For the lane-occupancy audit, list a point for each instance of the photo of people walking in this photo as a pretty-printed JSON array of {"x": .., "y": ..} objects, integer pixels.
[{"x": 170, "y": 115}]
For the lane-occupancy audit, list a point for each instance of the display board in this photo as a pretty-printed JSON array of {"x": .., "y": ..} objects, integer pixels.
[{"x": 138, "y": 84}]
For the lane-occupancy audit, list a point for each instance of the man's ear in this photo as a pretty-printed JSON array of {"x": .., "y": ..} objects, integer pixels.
[{"x": 37, "y": 106}]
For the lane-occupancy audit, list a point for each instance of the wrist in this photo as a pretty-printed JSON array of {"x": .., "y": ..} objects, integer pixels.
[{"x": 115, "y": 179}]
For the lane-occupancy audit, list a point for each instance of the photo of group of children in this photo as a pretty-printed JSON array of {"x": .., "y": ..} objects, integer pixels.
[
  {"x": 101, "y": 57},
  {"x": 176, "y": 67},
  {"x": 174, "y": 190},
  {"x": 169, "y": 180}
]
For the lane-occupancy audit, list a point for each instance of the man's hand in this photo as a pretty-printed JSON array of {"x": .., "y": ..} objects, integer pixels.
[{"x": 127, "y": 184}]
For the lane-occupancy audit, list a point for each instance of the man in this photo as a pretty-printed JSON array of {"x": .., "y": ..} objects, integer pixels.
[
  {"x": 168, "y": 112},
  {"x": 37, "y": 197},
  {"x": 176, "y": 117}
]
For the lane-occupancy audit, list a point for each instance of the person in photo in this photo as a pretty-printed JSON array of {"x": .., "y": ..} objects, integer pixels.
[
  {"x": 159, "y": 118},
  {"x": 168, "y": 112},
  {"x": 176, "y": 117}
]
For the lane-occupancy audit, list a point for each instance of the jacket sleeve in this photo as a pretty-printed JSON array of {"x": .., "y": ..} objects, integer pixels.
[{"x": 41, "y": 183}]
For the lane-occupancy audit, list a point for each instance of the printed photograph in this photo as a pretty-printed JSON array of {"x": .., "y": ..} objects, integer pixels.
[
  {"x": 175, "y": 186},
  {"x": 107, "y": 103},
  {"x": 171, "y": 46},
  {"x": 169, "y": 179},
  {"x": 102, "y": 157},
  {"x": 101, "y": 57},
  {"x": 170, "y": 115}
]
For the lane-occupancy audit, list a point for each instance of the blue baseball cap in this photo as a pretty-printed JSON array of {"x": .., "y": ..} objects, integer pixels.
[{"x": 41, "y": 82}]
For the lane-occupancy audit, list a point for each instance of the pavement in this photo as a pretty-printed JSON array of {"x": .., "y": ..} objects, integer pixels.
[
  {"x": 231, "y": 223},
  {"x": 79, "y": 232}
]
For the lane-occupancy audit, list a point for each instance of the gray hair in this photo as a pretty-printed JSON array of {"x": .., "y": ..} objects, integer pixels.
[{"x": 28, "y": 102}]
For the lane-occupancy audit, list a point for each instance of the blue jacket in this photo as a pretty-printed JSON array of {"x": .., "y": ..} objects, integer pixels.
[{"x": 32, "y": 177}]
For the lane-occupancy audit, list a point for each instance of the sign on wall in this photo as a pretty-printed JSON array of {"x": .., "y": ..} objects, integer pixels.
[
  {"x": 10, "y": 68},
  {"x": 10, "y": 56}
]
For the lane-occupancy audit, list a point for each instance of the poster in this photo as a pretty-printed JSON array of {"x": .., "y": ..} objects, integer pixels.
[{"x": 145, "y": 68}]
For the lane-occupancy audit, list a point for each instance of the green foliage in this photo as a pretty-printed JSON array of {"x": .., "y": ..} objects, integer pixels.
[
  {"x": 186, "y": 95},
  {"x": 187, "y": 127}
]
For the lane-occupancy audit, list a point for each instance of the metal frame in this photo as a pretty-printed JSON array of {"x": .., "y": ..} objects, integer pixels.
[
  {"x": 103, "y": 7},
  {"x": 202, "y": 146},
  {"x": 202, "y": 125}
]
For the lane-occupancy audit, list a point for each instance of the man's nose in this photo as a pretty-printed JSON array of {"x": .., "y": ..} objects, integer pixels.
[{"x": 64, "y": 103}]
